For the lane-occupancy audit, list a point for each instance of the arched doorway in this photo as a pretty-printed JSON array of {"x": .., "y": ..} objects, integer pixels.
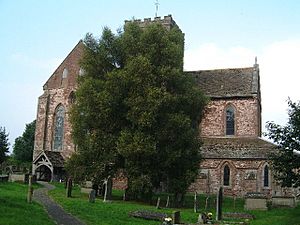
[{"x": 43, "y": 173}]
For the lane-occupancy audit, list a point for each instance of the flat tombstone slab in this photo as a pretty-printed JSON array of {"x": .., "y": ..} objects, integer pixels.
[{"x": 255, "y": 201}]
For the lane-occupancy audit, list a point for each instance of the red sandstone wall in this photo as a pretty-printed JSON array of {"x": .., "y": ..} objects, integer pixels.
[
  {"x": 57, "y": 91},
  {"x": 210, "y": 177},
  {"x": 246, "y": 118}
]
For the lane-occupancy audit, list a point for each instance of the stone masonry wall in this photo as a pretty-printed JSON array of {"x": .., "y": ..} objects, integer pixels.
[
  {"x": 57, "y": 90},
  {"x": 247, "y": 113},
  {"x": 245, "y": 176}
]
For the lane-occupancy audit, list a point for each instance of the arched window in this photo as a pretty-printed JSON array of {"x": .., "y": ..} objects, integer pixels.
[
  {"x": 58, "y": 128},
  {"x": 65, "y": 73},
  {"x": 81, "y": 71},
  {"x": 71, "y": 98},
  {"x": 226, "y": 176},
  {"x": 229, "y": 120},
  {"x": 266, "y": 176}
]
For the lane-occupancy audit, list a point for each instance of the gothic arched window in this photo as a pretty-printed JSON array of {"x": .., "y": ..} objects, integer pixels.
[
  {"x": 226, "y": 176},
  {"x": 58, "y": 128},
  {"x": 71, "y": 98},
  {"x": 229, "y": 120},
  {"x": 266, "y": 176}
]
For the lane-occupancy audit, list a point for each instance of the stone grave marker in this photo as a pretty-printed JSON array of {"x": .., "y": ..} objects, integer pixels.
[
  {"x": 219, "y": 203},
  {"x": 92, "y": 196},
  {"x": 69, "y": 187}
]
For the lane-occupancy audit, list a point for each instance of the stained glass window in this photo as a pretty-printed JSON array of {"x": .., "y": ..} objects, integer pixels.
[
  {"x": 230, "y": 121},
  {"x": 59, "y": 128},
  {"x": 266, "y": 176},
  {"x": 226, "y": 177}
]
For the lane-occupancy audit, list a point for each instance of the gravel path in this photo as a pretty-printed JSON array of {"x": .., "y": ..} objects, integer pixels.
[{"x": 55, "y": 211}]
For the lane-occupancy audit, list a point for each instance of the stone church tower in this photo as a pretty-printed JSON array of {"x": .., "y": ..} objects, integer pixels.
[{"x": 234, "y": 155}]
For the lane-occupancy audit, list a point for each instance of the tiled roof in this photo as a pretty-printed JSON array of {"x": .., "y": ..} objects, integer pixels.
[
  {"x": 55, "y": 158},
  {"x": 236, "y": 148},
  {"x": 219, "y": 83}
]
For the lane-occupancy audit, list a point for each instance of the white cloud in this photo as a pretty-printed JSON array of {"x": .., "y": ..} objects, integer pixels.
[{"x": 279, "y": 71}]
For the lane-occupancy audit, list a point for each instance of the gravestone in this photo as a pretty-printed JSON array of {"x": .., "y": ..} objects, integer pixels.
[
  {"x": 69, "y": 187},
  {"x": 168, "y": 202},
  {"x": 158, "y": 203},
  {"x": 30, "y": 189},
  {"x": 176, "y": 217},
  {"x": 92, "y": 196},
  {"x": 107, "y": 189},
  {"x": 195, "y": 203},
  {"x": 219, "y": 203}
]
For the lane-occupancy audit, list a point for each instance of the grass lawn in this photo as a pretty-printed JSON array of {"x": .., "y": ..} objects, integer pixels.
[
  {"x": 14, "y": 210},
  {"x": 117, "y": 211}
]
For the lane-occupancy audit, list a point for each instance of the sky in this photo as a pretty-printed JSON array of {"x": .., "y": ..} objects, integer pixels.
[{"x": 35, "y": 37}]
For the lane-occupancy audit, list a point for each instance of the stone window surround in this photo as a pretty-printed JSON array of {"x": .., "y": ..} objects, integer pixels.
[
  {"x": 230, "y": 105},
  {"x": 54, "y": 126},
  {"x": 263, "y": 176},
  {"x": 226, "y": 163}
]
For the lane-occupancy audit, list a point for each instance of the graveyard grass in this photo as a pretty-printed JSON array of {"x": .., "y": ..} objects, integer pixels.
[
  {"x": 117, "y": 211},
  {"x": 15, "y": 210}
]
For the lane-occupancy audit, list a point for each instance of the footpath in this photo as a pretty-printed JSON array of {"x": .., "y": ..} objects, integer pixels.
[{"x": 55, "y": 211}]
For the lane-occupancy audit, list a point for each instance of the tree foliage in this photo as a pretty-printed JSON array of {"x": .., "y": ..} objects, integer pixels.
[
  {"x": 23, "y": 147},
  {"x": 285, "y": 164},
  {"x": 136, "y": 109},
  {"x": 4, "y": 144}
]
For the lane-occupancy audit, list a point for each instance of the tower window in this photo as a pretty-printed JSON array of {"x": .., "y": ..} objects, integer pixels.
[
  {"x": 230, "y": 120},
  {"x": 266, "y": 176},
  {"x": 65, "y": 73},
  {"x": 226, "y": 176},
  {"x": 81, "y": 72},
  {"x": 58, "y": 128}
]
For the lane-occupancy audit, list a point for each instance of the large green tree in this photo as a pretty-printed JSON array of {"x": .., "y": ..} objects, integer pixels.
[
  {"x": 137, "y": 110},
  {"x": 4, "y": 144},
  {"x": 286, "y": 165},
  {"x": 23, "y": 147}
]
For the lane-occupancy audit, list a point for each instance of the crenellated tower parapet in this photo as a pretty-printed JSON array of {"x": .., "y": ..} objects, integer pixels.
[{"x": 166, "y": 21}]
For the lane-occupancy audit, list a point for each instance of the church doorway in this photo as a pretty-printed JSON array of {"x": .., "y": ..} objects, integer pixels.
[{"x": 43, "y": 173}]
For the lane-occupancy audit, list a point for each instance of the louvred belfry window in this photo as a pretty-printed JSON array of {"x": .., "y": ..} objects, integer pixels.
[{"x": 59, "y": 128}]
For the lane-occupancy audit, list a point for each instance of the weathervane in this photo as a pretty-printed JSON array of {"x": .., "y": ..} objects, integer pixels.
[{"x": 156, "y": 7}]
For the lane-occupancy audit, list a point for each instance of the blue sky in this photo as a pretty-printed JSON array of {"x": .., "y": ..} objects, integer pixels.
[{"x": 37, "y": 35}]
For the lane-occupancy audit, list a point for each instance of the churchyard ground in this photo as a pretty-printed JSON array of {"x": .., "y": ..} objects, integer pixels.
[
  {"x": 14, "y": 209},
  {"x": 117, "y": 211}
]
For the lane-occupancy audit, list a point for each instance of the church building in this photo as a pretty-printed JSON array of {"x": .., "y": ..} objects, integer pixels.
[{"x": 234, "y": 154}]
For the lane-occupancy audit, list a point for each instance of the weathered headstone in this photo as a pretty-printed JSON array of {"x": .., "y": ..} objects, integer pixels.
[
  {"x": 92, "y": 196},
  {"x": 168, "y": 202},
  {"x": 108, "y": 189},
  {"x": 206, "y": 202},
  {"x": 158, "y": 203},
  {"x": 176, "y": 217},
  {"x": 69, "y": 187},
  {"x": 30, "y": 189},
  {"x": 234, "y": 202},
  {"x": 195, "y": 202},
  {"x": 219, "y": 203}
]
